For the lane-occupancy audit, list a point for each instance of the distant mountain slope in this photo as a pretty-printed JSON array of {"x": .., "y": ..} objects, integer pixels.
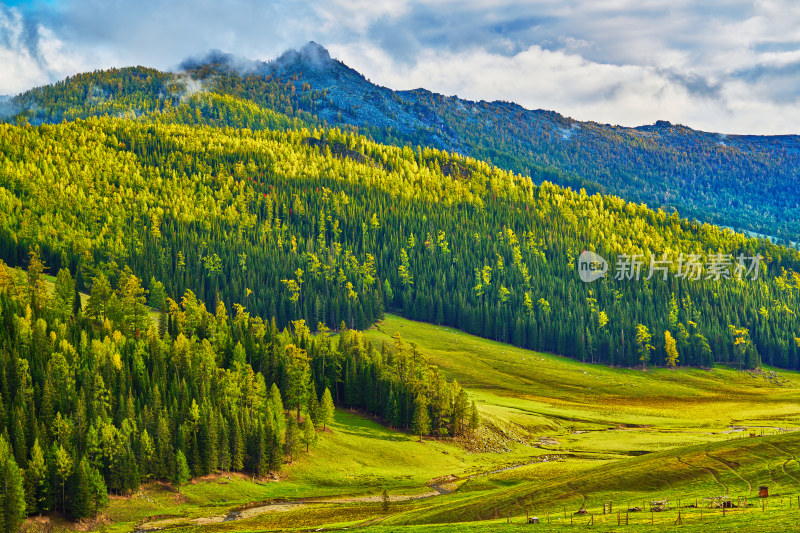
[{"x": 746, "y": 182}]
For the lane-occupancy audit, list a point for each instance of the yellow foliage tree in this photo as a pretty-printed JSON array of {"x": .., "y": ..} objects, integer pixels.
[{"x": 672, "y": 350}]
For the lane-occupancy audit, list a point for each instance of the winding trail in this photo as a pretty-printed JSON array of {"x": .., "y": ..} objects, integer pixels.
[
  {"x": 710, "y": 470},
  {"x": 735, "y": 473},
  {"x": 438, "y": 487},
  {"x": 793, "y": 458},
  {"x": 576, "y": 491}
]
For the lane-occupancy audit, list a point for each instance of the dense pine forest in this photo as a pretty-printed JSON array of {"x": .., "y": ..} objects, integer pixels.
[
  {"x": 329, "y": 227},
  {"x": 104, "y": 398}
]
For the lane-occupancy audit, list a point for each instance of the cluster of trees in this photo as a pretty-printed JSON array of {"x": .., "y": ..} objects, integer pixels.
[
  {"x": 101, "y": 398},
  {"x": 131, "y": 92}
]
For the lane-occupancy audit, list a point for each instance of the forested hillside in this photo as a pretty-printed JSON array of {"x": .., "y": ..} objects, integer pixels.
[
  {"x": 746, "y": 182},
  {"x": 103, "y": 398},
  {"x": 328, "y": 227}
]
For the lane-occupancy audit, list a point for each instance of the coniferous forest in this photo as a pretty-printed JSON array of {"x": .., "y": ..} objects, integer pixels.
[
  {"x": 329, "y": 227},
  {"x": 102, "y": 398}
]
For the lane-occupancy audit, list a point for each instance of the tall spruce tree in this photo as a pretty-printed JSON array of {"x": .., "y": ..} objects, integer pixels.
[
  {"x": 12, "y": 490},
  {"x": 309, "y": 436},
  {"x": 421, "y": 423},
  {"x": 291, "y": 443},
  {"x": 182, "y": 474},
  {"x": 327, "y": 409}
]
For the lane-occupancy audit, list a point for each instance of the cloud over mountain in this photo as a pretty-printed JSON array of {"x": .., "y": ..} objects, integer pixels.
[{"x": 733, "y": 67}]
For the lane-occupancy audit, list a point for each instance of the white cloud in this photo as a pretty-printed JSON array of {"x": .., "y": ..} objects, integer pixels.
[
  {"x": 23, "y": 67},
  {"x": 731, "y": 67},
  {"x": 627, "y": 95}
]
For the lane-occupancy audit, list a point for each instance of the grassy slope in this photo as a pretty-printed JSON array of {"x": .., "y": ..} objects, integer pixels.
[
  {"x": 735, "y": 468},
  {"x": 686, "y": 416},
  {"x": 546, "y": 393}
]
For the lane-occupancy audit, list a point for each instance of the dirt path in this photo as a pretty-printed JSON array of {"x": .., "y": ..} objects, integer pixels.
[
  {"x": 279, "y": 507},
  {"x": 711, "y": 471},
  {"x": 735, "y": 473},
  {"x": 793, "y": 458},
  {"x": 439, "y": 487}
]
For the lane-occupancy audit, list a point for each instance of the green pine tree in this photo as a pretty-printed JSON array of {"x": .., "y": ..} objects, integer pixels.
[
  {"x": 421, "y": 423},
  {"x": 12, "y": 491},
  {"x": 474, "y": 419},
  {"x": 291, "y": 442},
  {"x": 312, "y": 405},
  {"x": 181, "y": 475},
  {"x": 63, "y": 467},
  {"x": 98, "y": 492},
  {"x": 80, "y": 498},
  {"x": 309, "y": 435},
  {"x": 36, "y": 485},
  {"x": 327, "y": 409}
]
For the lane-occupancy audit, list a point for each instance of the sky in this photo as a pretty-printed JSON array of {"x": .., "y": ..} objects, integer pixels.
[{"x": 727, "y": 66}]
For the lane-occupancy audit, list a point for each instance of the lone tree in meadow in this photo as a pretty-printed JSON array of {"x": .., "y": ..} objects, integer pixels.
[
  {"x": 385, "y": 500},
  {"x": 327, "y": 409}
]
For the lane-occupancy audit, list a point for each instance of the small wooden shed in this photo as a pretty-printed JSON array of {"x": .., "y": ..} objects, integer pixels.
[{"x": 763, "y": 491}]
